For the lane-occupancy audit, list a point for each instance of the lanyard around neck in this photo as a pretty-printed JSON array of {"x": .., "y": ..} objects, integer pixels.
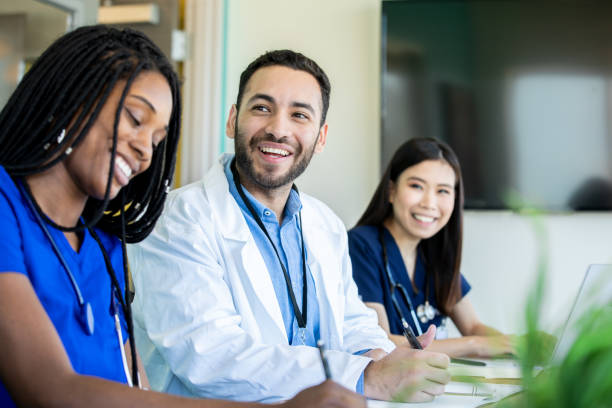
[{"x": 300, "y": 316}]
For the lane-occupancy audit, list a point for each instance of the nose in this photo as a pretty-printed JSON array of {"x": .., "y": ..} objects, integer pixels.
[
  {"x": 142, "y": 144},
  {"x": 277, "y": 126},
  {"x": 428, "y": 199}
]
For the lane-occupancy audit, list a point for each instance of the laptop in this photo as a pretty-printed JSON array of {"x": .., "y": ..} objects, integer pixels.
[{"x": 595, "y": 292}]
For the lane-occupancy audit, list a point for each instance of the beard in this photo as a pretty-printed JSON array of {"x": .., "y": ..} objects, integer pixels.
[{"x": 244, "y": 161}]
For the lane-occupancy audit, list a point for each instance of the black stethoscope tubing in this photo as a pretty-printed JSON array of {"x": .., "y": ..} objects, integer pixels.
[
  {"x": 301, "y": 316},
  {"x": 86, "y": 317},
  {"x": 393, "y": 284}
]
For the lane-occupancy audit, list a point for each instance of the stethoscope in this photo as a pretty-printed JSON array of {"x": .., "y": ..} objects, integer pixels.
[
  {"x": 424, "y": 312},
  {"x": 85, "y": 316}
]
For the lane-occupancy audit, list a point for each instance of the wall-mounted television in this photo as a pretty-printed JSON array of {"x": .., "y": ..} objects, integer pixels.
[{"x": 521, "y": 90}]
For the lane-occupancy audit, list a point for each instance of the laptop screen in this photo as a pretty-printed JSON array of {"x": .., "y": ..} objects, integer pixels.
[{"x": 595, "y": 292}]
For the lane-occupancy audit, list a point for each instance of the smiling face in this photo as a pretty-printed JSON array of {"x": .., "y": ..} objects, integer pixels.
[
  {"x": 142, "y": 125},
  {"x": 423, "y": 199},
  {"x": 277, "y": 127}
]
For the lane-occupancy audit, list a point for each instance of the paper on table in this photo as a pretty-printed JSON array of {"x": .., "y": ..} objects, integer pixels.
[
  {"x": 493, "y": 391},
  {"x": 458, "y": 395},
  {"x": 457, "y": 370},
  {"x": 448, "y": 401}
]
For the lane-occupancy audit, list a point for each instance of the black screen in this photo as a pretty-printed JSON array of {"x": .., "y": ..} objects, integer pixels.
[{"x": 521, "y": 90}]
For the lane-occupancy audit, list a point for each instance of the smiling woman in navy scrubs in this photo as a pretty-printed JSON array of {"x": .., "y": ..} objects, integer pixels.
[{"x": 406, "y": 252}]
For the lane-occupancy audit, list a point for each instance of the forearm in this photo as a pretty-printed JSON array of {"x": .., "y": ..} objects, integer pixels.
[
  {"x": 74, "y": 390},
  {"x": 476, "y": 346},
  {"x": 484, "y": 330},
  {"x": 458, "y": 347}
]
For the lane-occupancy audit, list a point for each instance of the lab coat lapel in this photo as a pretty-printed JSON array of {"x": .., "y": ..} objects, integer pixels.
[
  {"x": 322, "y": 250},
  {"x": 239, "y": 243}
]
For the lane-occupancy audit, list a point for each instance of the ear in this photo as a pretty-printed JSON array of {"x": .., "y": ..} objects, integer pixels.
[
  {"x": 230, "y": 126},
  {"x": 391, "y": 191},
  {"x": 322, "y": 139}
]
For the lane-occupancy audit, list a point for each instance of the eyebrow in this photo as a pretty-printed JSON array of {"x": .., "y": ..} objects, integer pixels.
[
  {"x": 270, "y": 99},
  {"x": 146, "y": 101},
  {"x": 303, "y": 105},
  {"x": 425, "y": 182},
  {"x": 150, "y": 105}
]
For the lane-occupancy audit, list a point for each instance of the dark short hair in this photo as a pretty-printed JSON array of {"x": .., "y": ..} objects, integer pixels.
[
  {"x": 442, "y": 252},
  {"x": 290, "y": 59}
]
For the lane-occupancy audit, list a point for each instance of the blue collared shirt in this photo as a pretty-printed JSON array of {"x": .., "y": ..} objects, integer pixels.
[{"x": 287, "y": 239}]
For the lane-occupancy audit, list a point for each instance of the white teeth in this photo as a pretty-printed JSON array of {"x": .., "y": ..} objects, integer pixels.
[
  {"x": 272, "y": 150},
  {"x": 125, "y": 168},
  {"x": 423, "y": 218}
]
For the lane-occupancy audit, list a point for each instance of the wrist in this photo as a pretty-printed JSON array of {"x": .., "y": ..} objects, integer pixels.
[
  {"x": 375, "y": 354},
  {"x": 371, "y": 387}
]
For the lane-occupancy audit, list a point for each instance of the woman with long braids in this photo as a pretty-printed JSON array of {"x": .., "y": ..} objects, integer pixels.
[
  {"x": 406, "y": 252},
  {"x": 89, "y": 140}
]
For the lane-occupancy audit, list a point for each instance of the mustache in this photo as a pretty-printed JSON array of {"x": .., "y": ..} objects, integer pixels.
[{"x": 267, "y": 137}]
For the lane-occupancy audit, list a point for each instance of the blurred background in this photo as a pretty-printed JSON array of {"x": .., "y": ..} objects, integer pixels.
[{"x": 520, "y": 89}]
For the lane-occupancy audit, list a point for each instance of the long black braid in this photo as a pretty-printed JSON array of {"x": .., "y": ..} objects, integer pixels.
[{"x": 53, "y": 109}]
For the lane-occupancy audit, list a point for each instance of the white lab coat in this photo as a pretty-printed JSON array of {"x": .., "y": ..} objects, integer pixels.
[{"x": 207, "y": 319}]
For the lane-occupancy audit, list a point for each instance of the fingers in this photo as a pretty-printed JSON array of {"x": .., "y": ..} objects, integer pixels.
[
  {"x": 425, "y": 391},
  {"x": 406, "y": 372},
  {"x": 438, "y": 376},
  {"x": 426, "y": 338},
  {"x": 327, "y": 395},
  {"x": 421, "y": 396},
  {"x": 439, "y": 360},
  {"x": 433, "y": 389},
  {"x": 339, "y": 397}
]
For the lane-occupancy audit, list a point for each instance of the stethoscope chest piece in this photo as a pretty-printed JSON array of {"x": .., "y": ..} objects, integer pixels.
[
  {"x": 86, "y": 318},
  {"x": 425, "y": 312}
]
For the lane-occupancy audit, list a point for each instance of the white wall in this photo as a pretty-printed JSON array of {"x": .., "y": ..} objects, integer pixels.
[
  {"x": 343, "y": 36},
  {"x": 499, "y": 260}
]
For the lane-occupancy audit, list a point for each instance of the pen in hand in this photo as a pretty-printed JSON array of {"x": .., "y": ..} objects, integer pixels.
[
  {"x": 414, "y": 343},
  {"x": 320, "y": 346},
  {"x": 409, "y": 334}
]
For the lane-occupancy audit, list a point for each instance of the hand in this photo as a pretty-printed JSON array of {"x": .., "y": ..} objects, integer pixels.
[
  {"x": 426, "y": 338},
  {"x": 326, "y": 395},
  {"x": 408, "y": 375},
  {"x": 496, "y": 345},
  {"x": 375, "y": 354}
]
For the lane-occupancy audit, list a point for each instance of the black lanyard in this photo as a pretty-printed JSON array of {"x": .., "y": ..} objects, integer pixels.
[{"x": 300, "y": 316}]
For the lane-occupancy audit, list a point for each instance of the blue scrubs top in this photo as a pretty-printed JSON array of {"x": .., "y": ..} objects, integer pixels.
[
  {"x": 373, "y": 284},
  {"x": 26, "y": 250}
]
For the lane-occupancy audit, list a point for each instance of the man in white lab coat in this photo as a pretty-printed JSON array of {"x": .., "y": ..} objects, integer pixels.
[{"x": 243, "y": 274}]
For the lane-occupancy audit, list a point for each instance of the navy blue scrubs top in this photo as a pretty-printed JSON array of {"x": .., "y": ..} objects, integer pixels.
[
  {"x": 24, "y": 249},
  {"x": 373, "y": 284}
]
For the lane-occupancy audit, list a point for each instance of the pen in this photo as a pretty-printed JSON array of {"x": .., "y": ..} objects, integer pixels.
[
  {"x": 414, "y": 342},
  {"x": 467, "y": 362},
  {"x": 324, "y": 360}
]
